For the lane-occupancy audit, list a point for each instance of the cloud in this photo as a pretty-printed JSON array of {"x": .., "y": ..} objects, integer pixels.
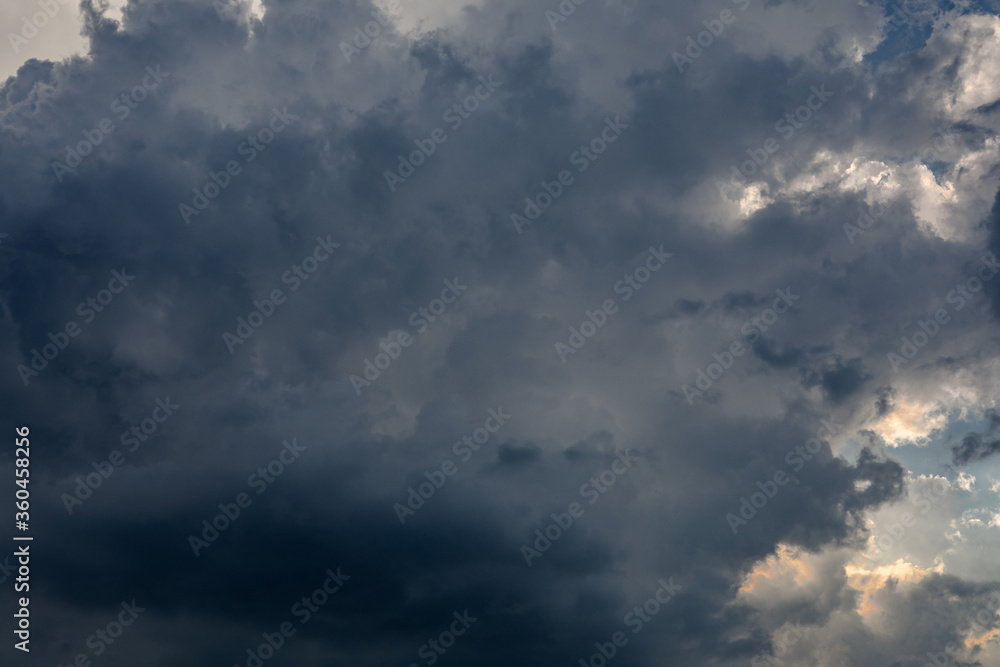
[{"x": 323, "y": 177}]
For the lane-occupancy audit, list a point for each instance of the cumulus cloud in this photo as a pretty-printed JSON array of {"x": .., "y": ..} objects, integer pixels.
[{"x": 286, "y": 289}]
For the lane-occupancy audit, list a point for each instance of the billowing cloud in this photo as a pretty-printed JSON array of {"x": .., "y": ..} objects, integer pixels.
[{"x": 488, "y": 333}]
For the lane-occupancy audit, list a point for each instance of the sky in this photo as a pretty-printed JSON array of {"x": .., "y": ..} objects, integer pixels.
[{"x": 542, "y": 333}]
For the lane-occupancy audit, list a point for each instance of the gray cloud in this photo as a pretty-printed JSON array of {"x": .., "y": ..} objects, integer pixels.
[{"x": 494, "y": 348}]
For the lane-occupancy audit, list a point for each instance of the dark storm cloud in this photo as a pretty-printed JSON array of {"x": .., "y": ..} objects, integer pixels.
[
  {"x": 974, "y": 447},
  {"x": 885, "y": 401},
  {"x": 978, "y": 446},
  {"x": 517, "y": 456},
  {"x": 690, "y": 307},
  {"x": 992, "y": 224},
  {"x": 788, "y": 356},
  {"x": 323, "y": 177},
  {"x": 841, "y": 379}
]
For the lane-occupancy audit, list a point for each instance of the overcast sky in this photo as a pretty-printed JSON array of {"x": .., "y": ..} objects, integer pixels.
[{"x": 503, "y": 333}]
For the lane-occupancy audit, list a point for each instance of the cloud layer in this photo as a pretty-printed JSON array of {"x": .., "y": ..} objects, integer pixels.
[{"x": 744, "y": 257}]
